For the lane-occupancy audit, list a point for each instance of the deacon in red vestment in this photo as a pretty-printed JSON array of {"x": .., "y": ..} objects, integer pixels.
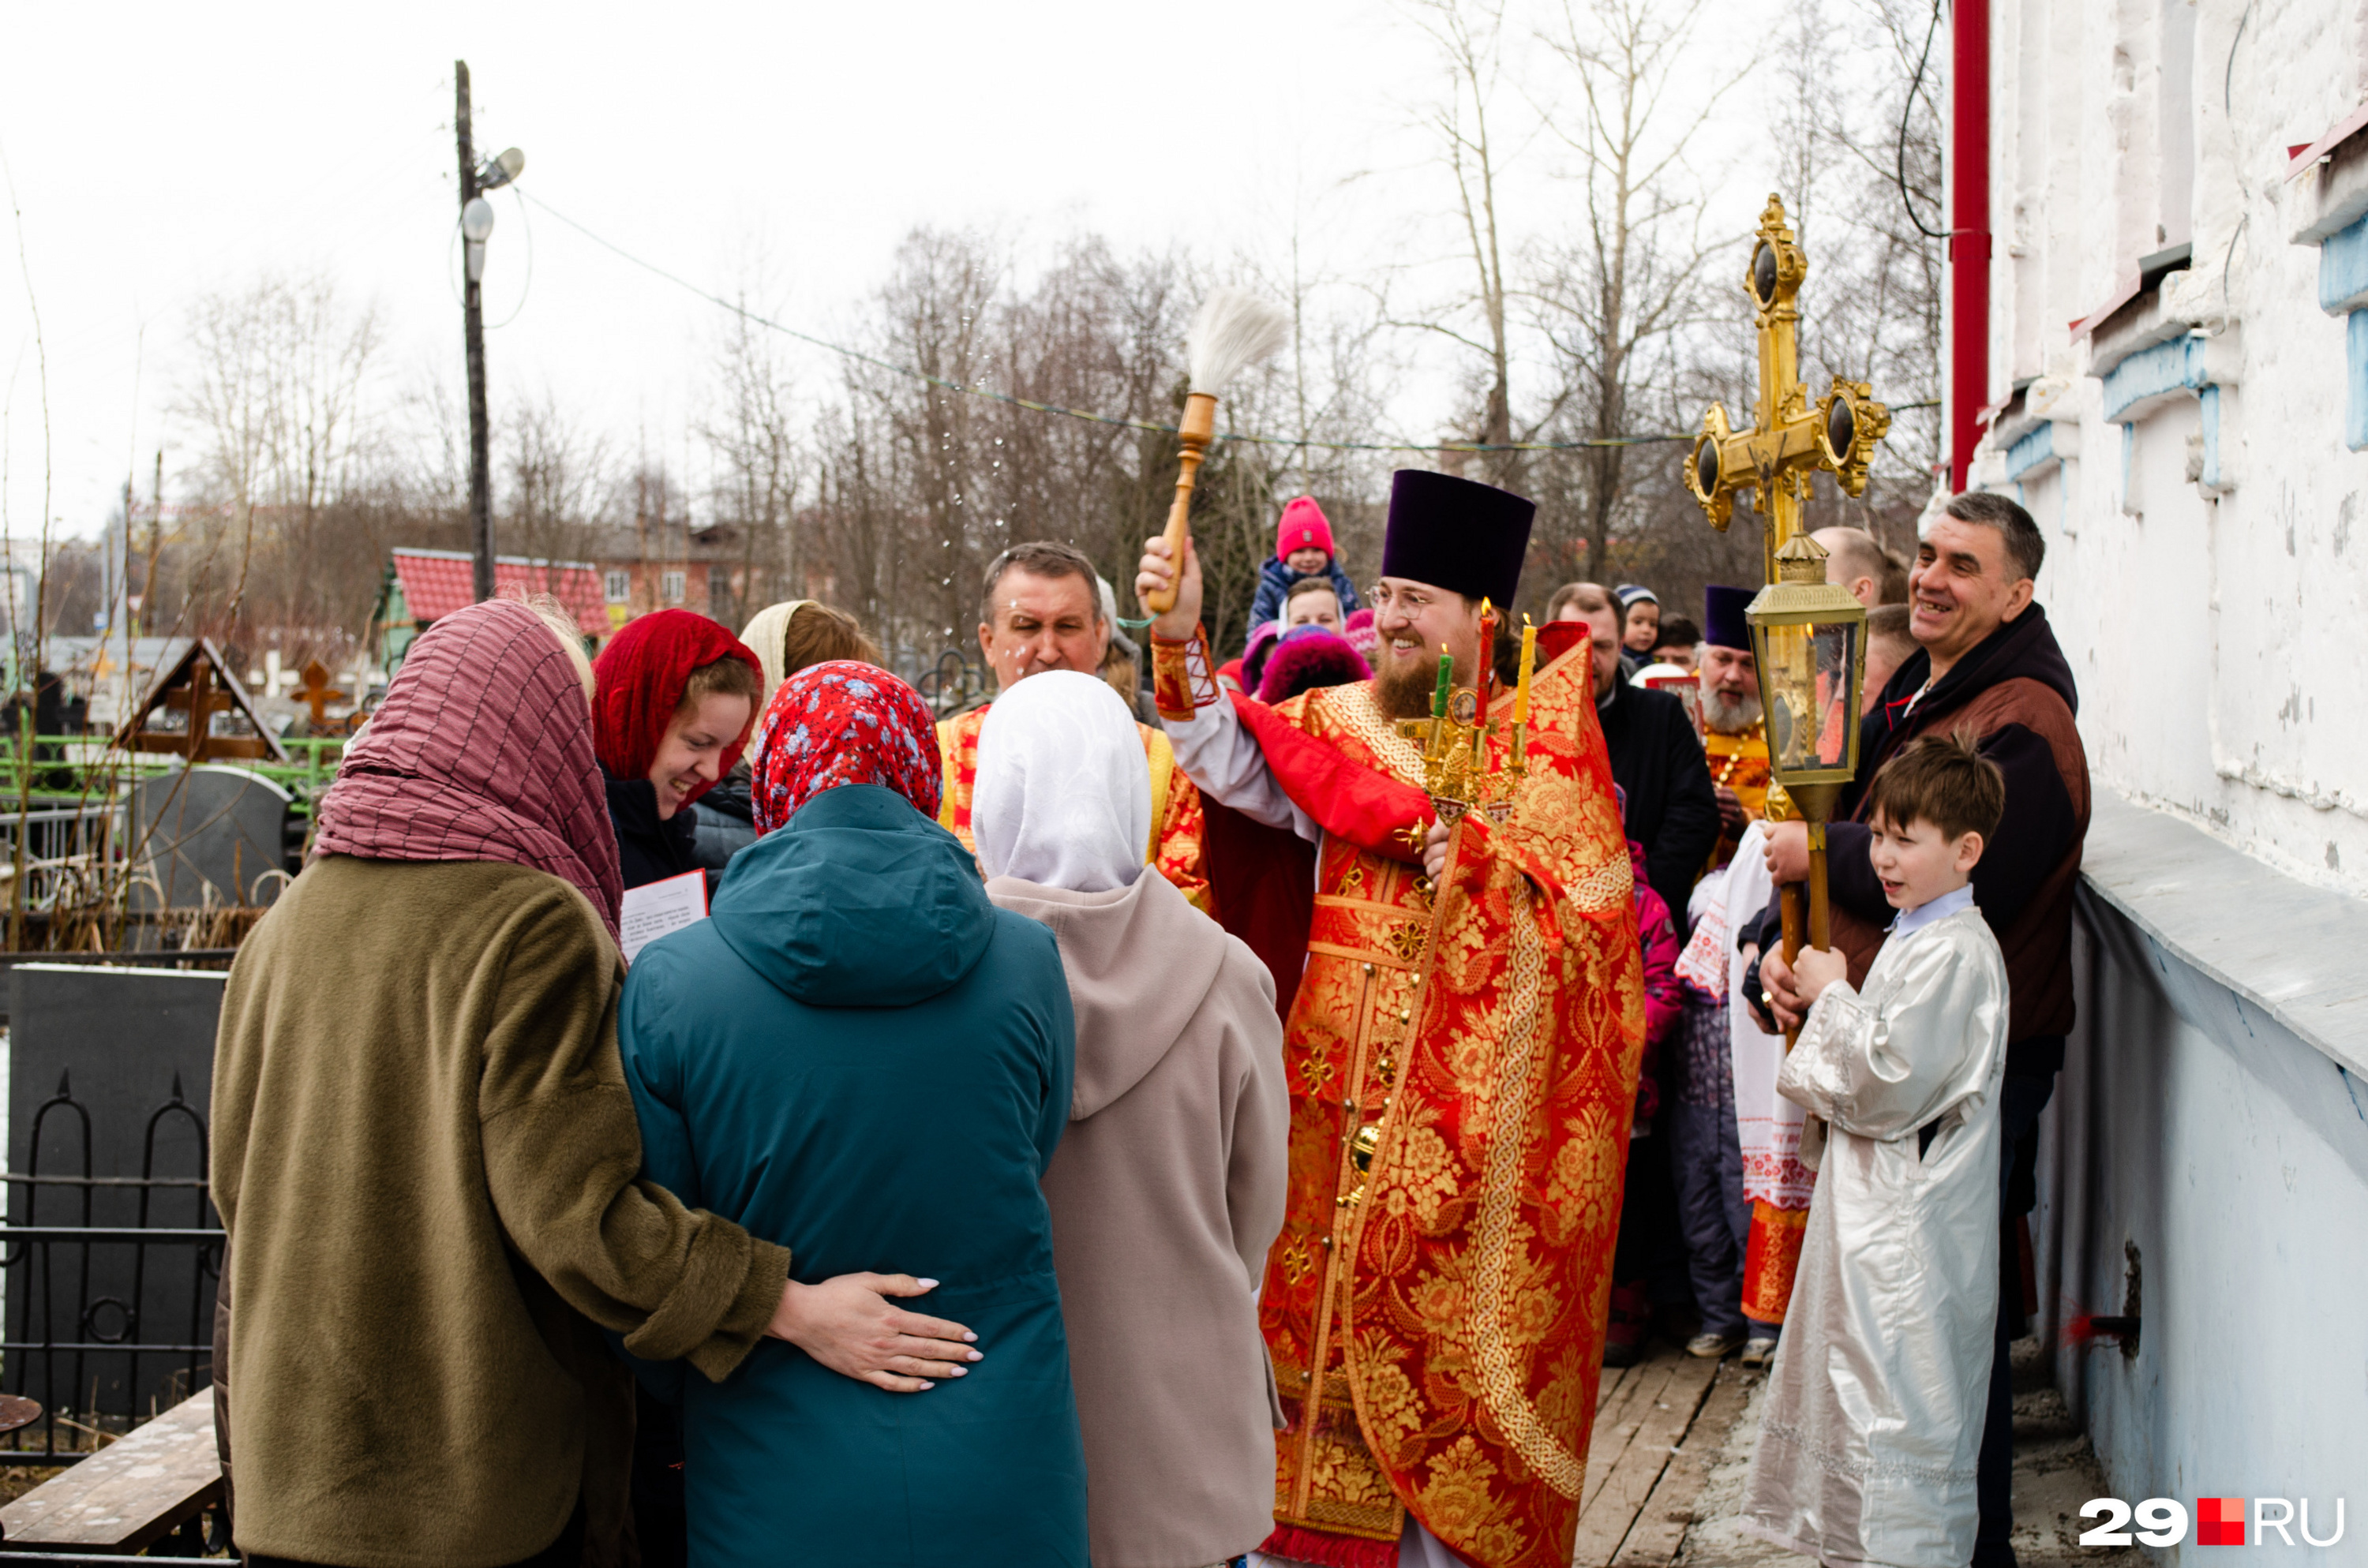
[{"x": 1461, "y": 1055}]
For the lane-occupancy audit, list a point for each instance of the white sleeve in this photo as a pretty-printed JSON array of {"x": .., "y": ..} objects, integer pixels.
[
  {"x": 1883, "y": 1069},
  {"x": 1221, "y": 756}
]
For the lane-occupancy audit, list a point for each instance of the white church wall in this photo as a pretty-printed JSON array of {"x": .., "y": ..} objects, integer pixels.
[
  {"x": 2208, "y": 570},
  {"x": 2196, "y": 453},
  {"x": 2204, "y": 1166}
]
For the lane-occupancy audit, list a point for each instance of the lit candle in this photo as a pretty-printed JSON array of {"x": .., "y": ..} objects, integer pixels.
[
  {"x": 1528, "y": 657},
  {"x": 1487, "y": 660},
  {"x": 1446, "y": 683}
]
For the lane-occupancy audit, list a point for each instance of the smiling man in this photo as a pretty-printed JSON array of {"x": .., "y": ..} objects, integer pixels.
[
  {"x": 1041, "y": 609},
  {"x": 1462, "y": 1054},
  {"x": 1985, "y": 662}
]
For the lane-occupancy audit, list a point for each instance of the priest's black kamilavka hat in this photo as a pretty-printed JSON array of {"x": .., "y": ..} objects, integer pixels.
[
  {"x": 1456, "y": 534},
  {"x": 1723, "y": 625}
]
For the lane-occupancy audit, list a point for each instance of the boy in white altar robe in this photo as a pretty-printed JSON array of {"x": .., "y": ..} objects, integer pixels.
[{"x": 1875, "y": 1410}]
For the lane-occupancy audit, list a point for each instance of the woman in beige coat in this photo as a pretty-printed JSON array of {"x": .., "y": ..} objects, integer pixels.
[{"x": 1167, "y": 1189}]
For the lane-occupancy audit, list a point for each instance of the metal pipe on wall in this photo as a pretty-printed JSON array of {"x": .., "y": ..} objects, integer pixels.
[{"x": 1969, "y": 232}]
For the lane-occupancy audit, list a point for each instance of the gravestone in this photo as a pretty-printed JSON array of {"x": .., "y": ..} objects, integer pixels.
[
  {"x": 111, "y": 1072},
  {"x": 208, "y": 827}
]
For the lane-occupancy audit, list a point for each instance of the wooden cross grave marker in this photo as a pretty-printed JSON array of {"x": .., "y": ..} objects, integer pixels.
[
  {"x": 317, "y": 693},
  {"x": 200, "y": 685}
]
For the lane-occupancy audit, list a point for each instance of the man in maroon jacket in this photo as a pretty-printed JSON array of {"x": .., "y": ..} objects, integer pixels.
[{"x": 1988, "y": 661}]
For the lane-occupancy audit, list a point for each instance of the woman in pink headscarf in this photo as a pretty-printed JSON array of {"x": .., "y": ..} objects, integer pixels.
[{"x": 427, "y": 1159}]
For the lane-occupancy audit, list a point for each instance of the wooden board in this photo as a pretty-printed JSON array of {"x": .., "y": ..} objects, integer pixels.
[
  {"x": 1609, "y": 1385},
  {"x": 1617, "y": 1423},
  {"x": 129, "y": 1493},
  {"x": 1653, "y": 1425},
  {"x": 1661, "y": 1523}
]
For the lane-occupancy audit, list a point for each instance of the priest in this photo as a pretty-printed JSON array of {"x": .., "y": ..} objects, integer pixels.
[
  {"x": 1462, "y": 1056},
  {"x": 1041, "y": 608},
  {"x": 1735, "y": 739}
]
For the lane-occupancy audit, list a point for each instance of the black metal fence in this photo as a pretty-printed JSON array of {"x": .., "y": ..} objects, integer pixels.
[
  {"x": 958, "y": 680},
  {"x": 109, "y": 1282}
]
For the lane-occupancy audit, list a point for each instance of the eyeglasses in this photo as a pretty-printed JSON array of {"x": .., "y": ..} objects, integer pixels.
[{"x": 1411, "y": 600}]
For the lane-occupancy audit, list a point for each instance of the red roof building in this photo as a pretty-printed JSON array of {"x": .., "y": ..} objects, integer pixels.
[{"x": 424, "y": 585}]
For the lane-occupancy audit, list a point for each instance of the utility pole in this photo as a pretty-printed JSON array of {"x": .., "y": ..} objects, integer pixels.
[{"x": 480, "y": 480}]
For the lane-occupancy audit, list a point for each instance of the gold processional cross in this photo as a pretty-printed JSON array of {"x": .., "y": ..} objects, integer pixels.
[{"x": 1789, "y": 440}]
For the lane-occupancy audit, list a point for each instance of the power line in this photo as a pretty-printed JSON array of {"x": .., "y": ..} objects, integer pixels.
[
  {"x": 1150, "y": 427},
  {"x": 1907, "y": 111},
  {"x": 1030, "y": 403}
]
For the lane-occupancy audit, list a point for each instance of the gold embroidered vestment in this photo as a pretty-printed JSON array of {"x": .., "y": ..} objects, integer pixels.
[{"x": 1463, "y": 1066}]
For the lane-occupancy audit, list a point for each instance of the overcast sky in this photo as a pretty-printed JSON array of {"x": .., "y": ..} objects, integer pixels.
[{"x": 158, "y": 152}]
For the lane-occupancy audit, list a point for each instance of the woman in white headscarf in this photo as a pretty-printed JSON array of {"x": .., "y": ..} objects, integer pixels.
[{"x": 1167, "y": 1189}]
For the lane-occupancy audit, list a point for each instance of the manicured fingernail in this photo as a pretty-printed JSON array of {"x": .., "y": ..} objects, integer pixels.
[
  {"x": 962, "y": 1372},
  {"x": 927, "y": 1284},
  {"x": 970, "y": 1337},
  {"x": 929, "y": 1385},
  {"x": 977, "y": 1355}
]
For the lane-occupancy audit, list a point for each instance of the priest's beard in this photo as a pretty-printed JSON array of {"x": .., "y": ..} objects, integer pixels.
[
  {"x": 1404, "y": 687},
  {"x": 1728, "y": 715}
]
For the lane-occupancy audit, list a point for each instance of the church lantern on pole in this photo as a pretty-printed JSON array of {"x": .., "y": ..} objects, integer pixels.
[{"x": 1808, "y": 642}]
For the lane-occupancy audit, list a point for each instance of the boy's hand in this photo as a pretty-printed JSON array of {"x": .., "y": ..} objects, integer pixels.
[
  {"x": 1155, "y": 572},
  {"x": 1815, "y": 969},
  {"x": 1785, "y": 1008}
]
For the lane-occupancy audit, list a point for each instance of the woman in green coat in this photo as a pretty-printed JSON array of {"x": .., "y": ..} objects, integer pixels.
[{"x": 862, "y": 1059}]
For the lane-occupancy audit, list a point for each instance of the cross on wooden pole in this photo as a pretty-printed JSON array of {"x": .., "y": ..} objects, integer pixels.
[
  {"x": 1789, "y": 440},
  {"x": 317, "y": 693}
]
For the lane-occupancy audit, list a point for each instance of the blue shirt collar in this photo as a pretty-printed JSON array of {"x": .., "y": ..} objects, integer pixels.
[{"x": 1941, "y": 908}]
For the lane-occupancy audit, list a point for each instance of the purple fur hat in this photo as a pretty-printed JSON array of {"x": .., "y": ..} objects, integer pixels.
[
  {"x": 1253, "y": 656},
  {"x": 1306, "y": 658}
]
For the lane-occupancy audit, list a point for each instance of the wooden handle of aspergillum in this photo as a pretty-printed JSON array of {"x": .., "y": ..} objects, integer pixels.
[{"x": 1193, "y": 432}]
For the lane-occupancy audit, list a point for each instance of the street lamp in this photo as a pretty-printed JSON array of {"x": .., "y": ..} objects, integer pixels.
[
  {"x": 1808, "y": 639},
  {"x": 498, "y": 172},
  {"x": 476, "y": 226}
]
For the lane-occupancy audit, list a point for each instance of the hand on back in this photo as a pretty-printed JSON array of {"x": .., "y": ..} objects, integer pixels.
[{"x": 849, "y": 1324}]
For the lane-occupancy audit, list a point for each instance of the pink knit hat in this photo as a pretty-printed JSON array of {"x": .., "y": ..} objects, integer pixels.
[
  {"x": 1362, "y": 634},
  {"x": 1303, "y": 528}
]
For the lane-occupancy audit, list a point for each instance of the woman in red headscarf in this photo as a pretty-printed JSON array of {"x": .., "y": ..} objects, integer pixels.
[{"x": 676, "y": 694}]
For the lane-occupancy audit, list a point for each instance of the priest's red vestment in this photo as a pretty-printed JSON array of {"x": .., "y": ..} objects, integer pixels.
[{"x": 1462, "y": 1064}]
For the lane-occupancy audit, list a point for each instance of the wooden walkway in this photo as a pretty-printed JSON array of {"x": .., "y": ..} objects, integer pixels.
[{"x": 1659, "y": 1427}]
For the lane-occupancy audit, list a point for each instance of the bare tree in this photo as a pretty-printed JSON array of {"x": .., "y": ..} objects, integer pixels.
[
  {"x": 1612, "y": 297},
  {"x": 275, "y": 393},
  {"x": 556, "y": 477},
  {"x": 1469, "y": 38},
  {"x": 748, "y": 432}
]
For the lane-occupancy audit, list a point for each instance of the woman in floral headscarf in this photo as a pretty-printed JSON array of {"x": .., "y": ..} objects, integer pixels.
[{"x": 862, "y": 1059}]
